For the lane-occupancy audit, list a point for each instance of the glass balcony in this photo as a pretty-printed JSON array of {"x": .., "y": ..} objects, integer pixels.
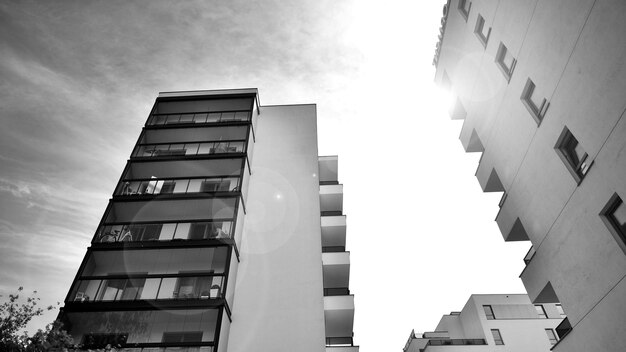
[
  {"x": 165, "y": 231},
  {"x": 172, "y": 210},
  {"x": 156, "y": 262},
  {"x": 198, "y": 117},
  {"x": 455, "y": 342},
  {"x": 164, "y": 327},
  {"x": 148, "y": 288},
  {"x": 186, "y": 149},
  {"x": 154, "y": 186},
  {"x": 171, "y": 349}
]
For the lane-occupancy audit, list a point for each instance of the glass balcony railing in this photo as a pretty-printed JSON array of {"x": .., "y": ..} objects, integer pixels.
[
  {"x": 337, "y": 291},
  {"x": 170, "y": 349},
  {"x": 199, "y": 117},
  {"x": 447, "y": 342},
  {"x": 155, "y": 186},
  {"x": 133, "y": 330},
  {"x": 148, "y": 288},
  {"x": 184, "y": 149},
  {"x": 339, "y": 341},
  {"x": 164, "y": 231}
]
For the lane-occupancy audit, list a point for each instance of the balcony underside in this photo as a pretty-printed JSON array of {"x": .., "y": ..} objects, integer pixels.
[{"x": 339, "y": 315}]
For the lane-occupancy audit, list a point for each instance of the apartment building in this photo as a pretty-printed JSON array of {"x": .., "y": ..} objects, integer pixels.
[
  {"x": 491, "y": 323},
  {"x": 541, "y": 88},
  {"x": 225, "y": 232}
]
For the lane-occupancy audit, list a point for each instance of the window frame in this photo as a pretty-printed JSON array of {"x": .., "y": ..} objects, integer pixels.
[
  {"x": 615, "y": 201},
  {"x": 478, "y": 30},
  {"x": 491, "y": 316},
  {"x": 554, "y": 339},
  {"x": 542, "y": 314},
  {"x": 559, "y": 308},
  {"x": 465, "y": 12},
  {"x": 500, "y": 55},
  {"x": 537, "y": 112},
  {"x": 564, "y": 147},
  {"x": 497, "y": 338}
]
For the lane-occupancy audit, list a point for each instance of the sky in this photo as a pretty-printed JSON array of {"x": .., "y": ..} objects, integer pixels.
[{"x": 77, "y": 81}]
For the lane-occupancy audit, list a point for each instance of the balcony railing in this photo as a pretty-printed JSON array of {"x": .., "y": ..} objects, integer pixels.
[
  {"x": 148, "y": 288},
  {"x": 563, "y": 328},
  {"x": 339, "y": 341},
  {"x": 333, "y": 249},
  {"x": 155, "y": 185},
  {"x": 198, "y": 117},
  {"x": 192, "y": 148},
  {"x": 331, "y": 213},
  {"x": 151, "y": 349},
  {"x": 529, "y": 256},
  {"x": 164, "y": 231},
  {"x": 446, "y": 342},
  {"x": 336, "y": 291}
]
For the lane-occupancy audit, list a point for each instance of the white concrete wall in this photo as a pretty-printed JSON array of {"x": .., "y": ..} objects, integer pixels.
[
  {"x": 574, "y": 52},
  {"x": 278, "y": 303}
]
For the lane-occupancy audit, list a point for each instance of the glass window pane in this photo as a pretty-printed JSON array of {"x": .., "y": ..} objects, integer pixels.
[
  {"x": 186, "y": 118},
  {"x": 167, "y": 232},
  {"x": 194, "y": 185},
  {"x": 213, "y": 117},
  {"x": 181, "y": 186},
  {"x": 191, "y": 148},
  {"x": 150, "y": 289},
  {"x": 200, "y": 118},
  {"x": 182, "y": 231},
  {"x": 205, "y": 148},
  {"x": 168, "y": 288}
]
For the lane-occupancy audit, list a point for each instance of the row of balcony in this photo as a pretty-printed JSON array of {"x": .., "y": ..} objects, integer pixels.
[
  {"x": 154, "y": 186},
  {"x": 198, "y": 117},
  {"x": 148, "y": 288},
  {"x": 186, "y": 149},
  {"x": 338, "y": 302},
  {"x": 164, "y": 231}
]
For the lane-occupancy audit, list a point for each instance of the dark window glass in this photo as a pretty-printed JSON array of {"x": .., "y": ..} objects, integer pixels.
[
  {"x": 489, "y": 312},
  {"x": 177, "y": 337},
  {"x": 573, "y": 155},
  {"x": 497, "y": 337}
]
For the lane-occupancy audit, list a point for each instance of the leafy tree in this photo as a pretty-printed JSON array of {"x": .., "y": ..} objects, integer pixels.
[{"x": 15, "y": 315}]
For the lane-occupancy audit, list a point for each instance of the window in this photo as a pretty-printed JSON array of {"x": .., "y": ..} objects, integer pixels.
[
  {"x": 489, "y": 313},
  {"x": 505, "y": 61},
  {"x": 552, "y": 336},
  {"x": 481, "y": 31},
  {"x": 536, "y": 105},
  {"x": 497, "y": 337},
  {"x": 614, "y": 216},
  {"x": 573, "y": 155},
  {"x": 464, "y": 8},
  {"x": 559, "y": 309},
  {"x": 540, "y": 311},
  {"x": 100, "y": 340},
  {"x": 185, "y": 336}
]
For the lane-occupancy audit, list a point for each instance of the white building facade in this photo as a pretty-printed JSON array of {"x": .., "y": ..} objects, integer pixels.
[
  {"x": 541, "y": 87},
  {"x": 225, "y": 233},
  {"x": 493, "y": 323}
]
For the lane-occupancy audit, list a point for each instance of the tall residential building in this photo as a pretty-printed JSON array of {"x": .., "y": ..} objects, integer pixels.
[
  {"x": 541, "y": 87},
  {"x": 225, "y": 232},
  {"x": 489, "y": 321}
]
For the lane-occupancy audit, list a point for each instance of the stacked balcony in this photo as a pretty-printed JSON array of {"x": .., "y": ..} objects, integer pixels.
[
  {"x": 157, "y": 274},
  {"x": 338, "y": 302}
]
